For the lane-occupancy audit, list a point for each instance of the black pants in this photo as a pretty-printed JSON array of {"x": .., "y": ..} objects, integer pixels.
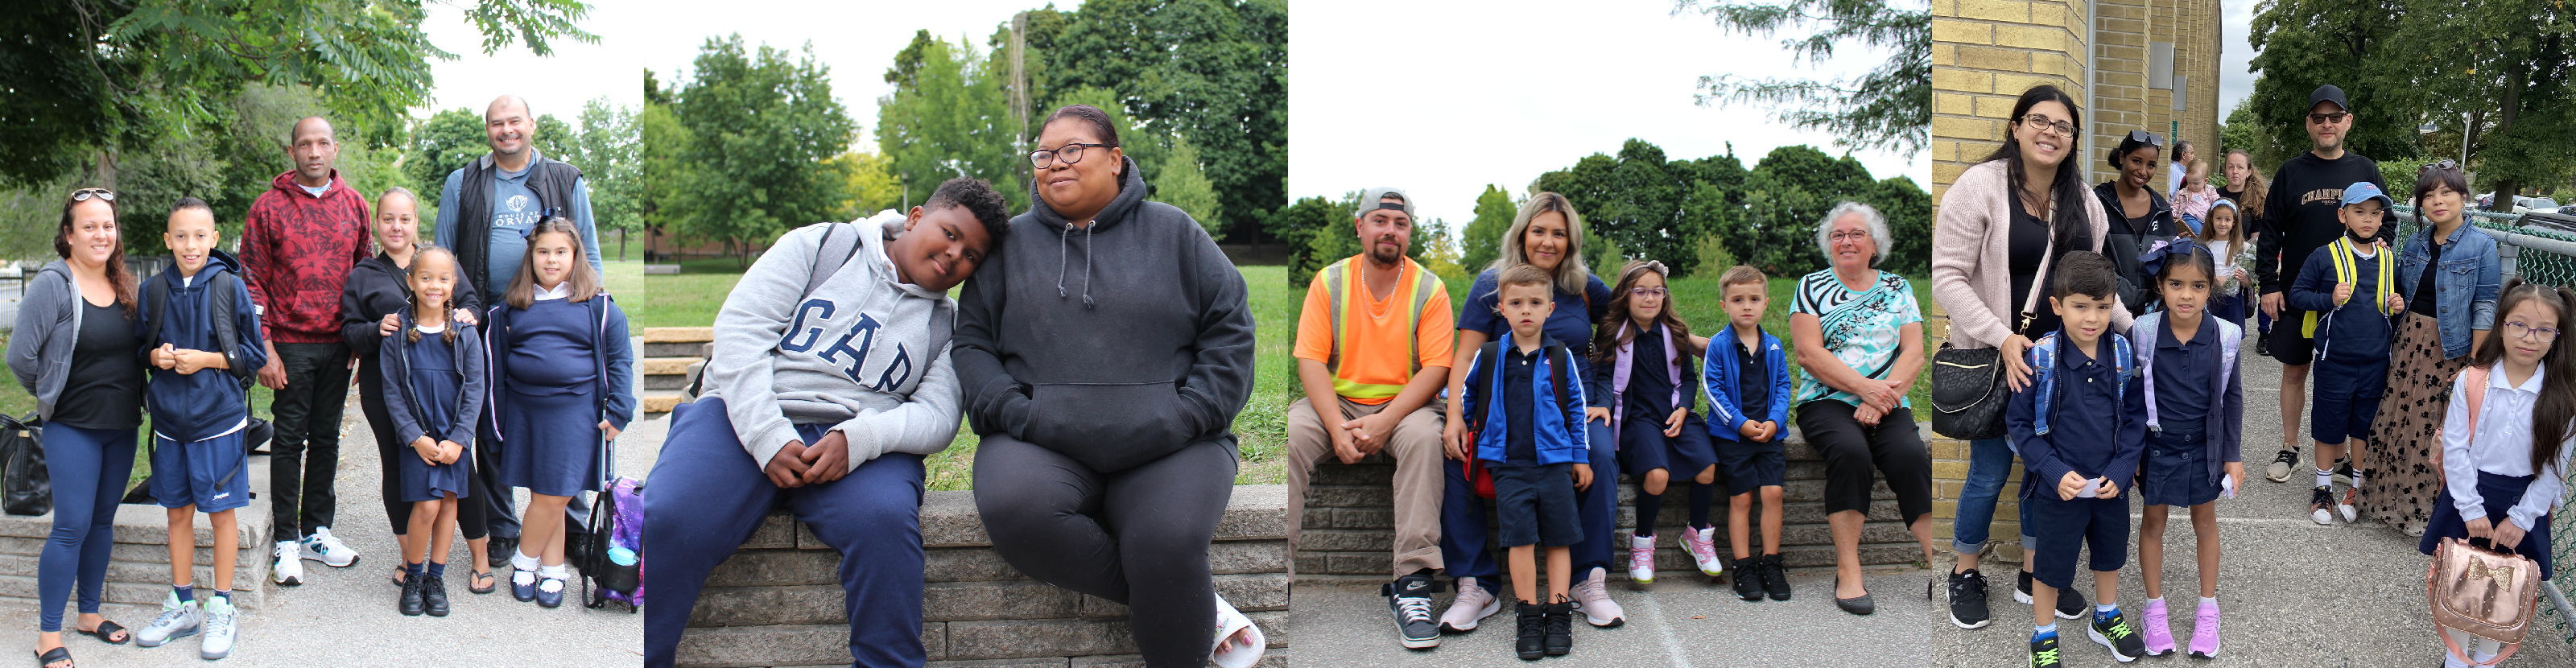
[
  {"x": 304, "y": 455},
  {"x": 1138, "y": 537},
  {"x": 371, "y": 402},
  {"x": 1851, "y": 450}
]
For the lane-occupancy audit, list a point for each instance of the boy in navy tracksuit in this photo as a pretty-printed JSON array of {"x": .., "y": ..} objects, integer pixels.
[
  {"x": 2348, "y": 290},
  {"x": 2080, "y": 429},
  {"x": 201, "y": 339},
  {"x": 1525, "y": 390},
  {"x": 1748, "y": 399}
]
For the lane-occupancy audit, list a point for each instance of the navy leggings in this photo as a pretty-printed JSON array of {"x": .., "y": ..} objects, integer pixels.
[{"x": 89, "y": 469}]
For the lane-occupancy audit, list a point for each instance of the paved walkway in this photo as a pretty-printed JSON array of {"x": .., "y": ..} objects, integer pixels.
[
  {"x": 2296, "y": 594},
  {"x": 346, "y": 616}
]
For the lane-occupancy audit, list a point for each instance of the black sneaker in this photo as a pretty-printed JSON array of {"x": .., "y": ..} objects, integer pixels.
[
  {"x": 2114, "y": 633},
  {"x": 1774, "y": 578},
  {"x": 1968, "y": 600},
  {"x": 411, "y": 601},
  {"x": 1748, "y": 578},
  {"x": 2043, "y": 652},
  {"x": 2262, "y": 348},
  {"x": 433, "y": 595},
  {"x": 1532, "y": 644},
  {"x": 1560, "y": 628},
  {"x": 2343, "y": 472},
  {"x": 498, "y": 551},
  {"x": 2070, "y": 603},
  {"x": 1410, "y": 598},
  {"x": 2282, "y": 466}
]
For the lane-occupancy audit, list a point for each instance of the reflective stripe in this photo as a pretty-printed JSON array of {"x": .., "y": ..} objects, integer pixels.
[{"x": 1417, "y": 292}]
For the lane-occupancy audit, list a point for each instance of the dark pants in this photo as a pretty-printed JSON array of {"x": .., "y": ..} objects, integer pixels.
[
  {"x": 389, "y": 448},
  {"x": 1138, "y": 537},
  {"x": 89, "y": 468},
  {"x": 305, "y": 453},
  {"x": 707, "y": 496},
  {"x": 1462, "y": 517},
  {"x": 1893, "y": 447}
]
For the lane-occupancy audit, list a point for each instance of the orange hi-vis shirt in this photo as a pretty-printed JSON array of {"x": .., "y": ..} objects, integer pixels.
[{"x": 1411, "y": 329}]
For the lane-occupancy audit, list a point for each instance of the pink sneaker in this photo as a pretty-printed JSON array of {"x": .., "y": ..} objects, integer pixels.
[
  {"x": 2159, "y": 634},
  {"x": 1702, "y": 545},
  {"x": 2204, "y": 632},
  {"x": 1641, "y": 559}
]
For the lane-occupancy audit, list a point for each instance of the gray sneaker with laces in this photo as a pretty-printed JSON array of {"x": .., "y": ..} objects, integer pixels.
[
  {"x": 178, "y": 619},
  {"x": 223, "y": 622}
]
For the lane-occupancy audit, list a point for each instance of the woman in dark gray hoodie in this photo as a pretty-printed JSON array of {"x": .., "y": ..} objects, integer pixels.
[{"x": 1104, "y": 384}]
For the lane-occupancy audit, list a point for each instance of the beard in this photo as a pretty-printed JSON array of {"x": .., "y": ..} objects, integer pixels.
[{"x": 1380, "y": 255}]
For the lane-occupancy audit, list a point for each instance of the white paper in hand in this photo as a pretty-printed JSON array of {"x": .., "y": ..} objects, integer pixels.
[
  {"x": 2227, "y": 486},
  {"x": 2091, "y": 489}
]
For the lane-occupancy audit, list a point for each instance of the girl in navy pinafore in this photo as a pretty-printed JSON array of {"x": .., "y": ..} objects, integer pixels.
[
  {"x": 434, "y": 392},
  {"x": 563, "y": 370}
]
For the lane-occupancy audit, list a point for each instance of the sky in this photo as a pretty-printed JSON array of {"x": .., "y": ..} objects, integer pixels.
[
  {"x": 1442, "y": 102},
  {"x": 557, "y": 84},
  {"x": 2235, "y": 52}
]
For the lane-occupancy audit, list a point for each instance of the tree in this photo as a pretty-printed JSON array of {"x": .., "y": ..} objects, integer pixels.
[
  {"x": 1297, "y": 225},
  {"x": 1909, "y": 223},
  {"x": 1888, "y": 108},
  {"x": 1483, "y": 239},
  {"x": 948, "y": 117},
  {"x": 663, "y": 138},
  {"x": 871, "y": 188},
  {"x": 1633, "y": 201},
  {"x": 608, "y": 149},
  {"x": 1183, "y": 184},
  {"x": 761, "y": 125}
]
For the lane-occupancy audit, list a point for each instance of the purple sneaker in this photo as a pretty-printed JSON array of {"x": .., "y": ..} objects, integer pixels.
[
  {"x": 2159, "y": 634},
  {"x": 2204, "y": 632}
]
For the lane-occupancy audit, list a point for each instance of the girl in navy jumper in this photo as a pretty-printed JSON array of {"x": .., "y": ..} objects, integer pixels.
[
  {"x": 563, "y": 370},
  {"x": 1642, "y": 384},
  {"x": 2195, "y": 417},
  {"x": 434, "y": 391},
  {"x": 2501, "y": 474}
]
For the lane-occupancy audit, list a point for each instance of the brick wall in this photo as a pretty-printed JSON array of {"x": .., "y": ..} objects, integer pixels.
[
  {"x": 138, "y": 568},
  {"x": 778, "y": 602},
  {"x": 1984, "y": 54}
]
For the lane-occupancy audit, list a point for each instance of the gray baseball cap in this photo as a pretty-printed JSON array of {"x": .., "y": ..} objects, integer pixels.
[{"x": 1369, "y": 201}]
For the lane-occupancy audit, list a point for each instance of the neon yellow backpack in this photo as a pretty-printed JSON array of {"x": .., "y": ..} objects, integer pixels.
[{"x": 2347, "y": 269}]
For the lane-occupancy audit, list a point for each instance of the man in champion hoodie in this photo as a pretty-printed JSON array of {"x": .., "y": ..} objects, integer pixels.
[
  {"x": 1103, "y": 372},
  {"x": 297, "y": 248},
  {"x": 831, "y": 380}
]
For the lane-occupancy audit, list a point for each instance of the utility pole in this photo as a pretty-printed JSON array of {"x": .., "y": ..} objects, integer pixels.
[{"x": 1020, "y": 77}]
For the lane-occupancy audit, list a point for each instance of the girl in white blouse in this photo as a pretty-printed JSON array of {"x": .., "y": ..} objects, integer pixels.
[{"x": 2502, "y": 477}]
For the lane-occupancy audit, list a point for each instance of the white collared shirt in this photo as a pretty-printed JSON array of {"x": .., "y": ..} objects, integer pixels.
[
  {"x": 2502, "y": 446},
  {"x": 559, "y": 291}
]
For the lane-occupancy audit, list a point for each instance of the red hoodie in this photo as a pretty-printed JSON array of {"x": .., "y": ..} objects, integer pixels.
[{"x": 297, "y": 250}]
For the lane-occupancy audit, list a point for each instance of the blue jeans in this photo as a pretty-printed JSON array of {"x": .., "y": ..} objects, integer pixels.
[
  {"x": 1990, "y": 461},
  {"x": 89, "y": 469}
]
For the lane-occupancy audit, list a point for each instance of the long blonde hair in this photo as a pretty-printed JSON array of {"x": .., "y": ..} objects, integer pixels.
[
  {"x": 1571, "y": 276},
  {"x": 584, "y": 280}
]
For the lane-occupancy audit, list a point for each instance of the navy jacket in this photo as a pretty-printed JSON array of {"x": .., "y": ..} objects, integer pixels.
[
  {"x": 2092, "y": 436},
  {"x": 615, "y": 358},
  {"x": 1560, "y": 438},
  {"x": 1725, "y": 415},
  {"x": 192, "y": 407},
  {"x": 2359, "y": 332}
]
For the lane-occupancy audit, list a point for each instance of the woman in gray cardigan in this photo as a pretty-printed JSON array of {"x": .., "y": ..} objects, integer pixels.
[{"x": 2000, "y": 227}]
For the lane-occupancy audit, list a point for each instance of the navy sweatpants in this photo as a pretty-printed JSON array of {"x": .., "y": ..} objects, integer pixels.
[
  {"x": 706, "y": 496},
  {"x": 1462, "y": 517},
  {"x": 89, "y": 468}
]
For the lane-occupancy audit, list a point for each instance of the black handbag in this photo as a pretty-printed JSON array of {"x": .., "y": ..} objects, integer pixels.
[
  {"x": 25, "y": 488},
  {"x": 1968, "y": 391}
]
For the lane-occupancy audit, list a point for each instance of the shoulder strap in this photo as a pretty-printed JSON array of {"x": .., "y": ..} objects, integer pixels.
[
  {"x": 1558, "y": 358},
  {"x": 2145, "y": 330},
  {"x": 1487, "y": 359},
  {"x": 2030, "y": 304},
  {"x": 227, "y": 334},
  {"x": 823, "y": 271},
  {"x": 157, "y": 291},
  {"x": 2477, "y": 386}
]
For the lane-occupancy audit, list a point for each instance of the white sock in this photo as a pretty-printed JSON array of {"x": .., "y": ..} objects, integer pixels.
[
  {"x": 523, "y": 562},
  {"x": 2106, "y": 607},
  {"x": 2209, "y": 600},
  {"x": 2325, "y": 478},
  {"x": 557, "y": 571},
  {"x": 2156, "y": 601}
]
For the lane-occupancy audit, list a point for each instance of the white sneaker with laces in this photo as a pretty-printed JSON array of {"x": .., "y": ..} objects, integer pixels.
[
  {"x": 178, "y": 619},
  {"x": 221, "y": 628},
  {"x": 1641, "y": 559},
  {"x": 289, "y": 570},
  {"x": 1592, "y": 594},
  {"x": 1702, "y": 546},
  {"x": 1472, "y": 605},
  {"x": 326, "y": 548}
]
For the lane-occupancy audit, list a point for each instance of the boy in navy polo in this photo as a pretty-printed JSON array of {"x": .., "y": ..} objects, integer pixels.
[
  {"x": 2349, "y": 293},
  {"x": 1533, "y": 442},
  {"x": 2079, "y": 429}
]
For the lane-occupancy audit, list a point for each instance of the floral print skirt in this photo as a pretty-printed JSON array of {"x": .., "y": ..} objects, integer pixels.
[{"x": 2399, "y": 482}]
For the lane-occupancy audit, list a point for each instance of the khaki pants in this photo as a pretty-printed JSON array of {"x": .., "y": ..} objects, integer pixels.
[{"x": 1415, "y": 446}]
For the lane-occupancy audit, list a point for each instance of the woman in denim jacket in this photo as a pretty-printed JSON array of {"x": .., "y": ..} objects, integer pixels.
[{"x": 2450, "y": 291}]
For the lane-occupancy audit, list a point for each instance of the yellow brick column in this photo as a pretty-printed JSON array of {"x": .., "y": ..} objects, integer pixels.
[{"x": 1985, "y": 53}]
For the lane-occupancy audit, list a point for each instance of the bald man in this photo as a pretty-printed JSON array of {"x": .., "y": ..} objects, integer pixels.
[{"x": 302, "y": 238}]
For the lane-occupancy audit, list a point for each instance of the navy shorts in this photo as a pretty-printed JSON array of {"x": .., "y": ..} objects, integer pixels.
[
  {"x": 1535, "y": 504},
  {"x": 2346, "y": 399},
  {"x": 194, "y": 474},
  {"x": 1749, "y": 466},
  {"x": 2066, "y": 527},
  {"x": 1644, "y": 447}
]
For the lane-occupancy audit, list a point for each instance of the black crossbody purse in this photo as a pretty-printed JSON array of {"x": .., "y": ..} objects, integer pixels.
[{"x": 1968, "y": 391}]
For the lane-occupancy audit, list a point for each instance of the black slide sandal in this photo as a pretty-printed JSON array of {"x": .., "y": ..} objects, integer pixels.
[
  {"x": 105, "y": 629},
  {"x": 46, "y": 659}
]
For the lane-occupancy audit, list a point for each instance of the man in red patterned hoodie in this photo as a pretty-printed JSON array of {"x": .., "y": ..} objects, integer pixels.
[{"x": 302, "y": 238}]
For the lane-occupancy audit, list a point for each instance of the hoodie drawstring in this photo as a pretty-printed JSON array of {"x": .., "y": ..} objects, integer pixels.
[{"x": 1063, "y": 263}]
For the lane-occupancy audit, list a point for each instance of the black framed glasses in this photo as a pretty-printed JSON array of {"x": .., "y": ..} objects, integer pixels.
[
  {"x": 2336, "y": 117},
  {"x": 2445, "y": 165},
  {"x": 1071, "y": 153},
  {"x": 84, "y": 194},
  {"x": 2062, "y": 128},
  {"x": 2148, "y": 138}
]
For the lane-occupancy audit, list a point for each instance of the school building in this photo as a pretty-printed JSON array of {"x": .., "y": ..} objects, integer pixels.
[{"x": 2135, "y": 64}]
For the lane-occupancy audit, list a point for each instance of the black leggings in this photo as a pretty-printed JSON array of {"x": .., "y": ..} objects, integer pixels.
[
  {"x": 1850, "y": 451},
  {"x": 1137, "y": 537},
  {"x": 371, "y": 401}
]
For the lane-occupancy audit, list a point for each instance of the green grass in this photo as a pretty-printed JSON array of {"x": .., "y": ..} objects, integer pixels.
[
  {"x": 687, "y": 299},
  {"x": 17, "y": 403}
]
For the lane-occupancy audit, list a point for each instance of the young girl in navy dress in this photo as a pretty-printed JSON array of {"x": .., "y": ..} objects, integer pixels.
[
  {"x": 434, "y": 391},
  {"x": 565, "y": 373},
  {"x": 1643, "y": 383},
  {"x": 2501, "y": 476},
  {"x": 2195, "y": 425}
]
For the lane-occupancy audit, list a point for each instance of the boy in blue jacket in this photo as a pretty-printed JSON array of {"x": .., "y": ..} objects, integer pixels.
[
  {"x": 201, "y": 339},
  {"x": 1531, "y": 438},
  {"x": 2348, "y": 290},
  {"x": 2080, "y": 429},
  {"x": 1748, "y": 398}
]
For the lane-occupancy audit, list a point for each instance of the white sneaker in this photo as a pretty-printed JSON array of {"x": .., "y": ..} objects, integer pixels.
[
  {"x": 326, "y": 548},
  {"x": 178, "y": 619},
  {"x": 221, "y": 627},
  {"x": 290, "y": 568},
  {"x": 1593, "y": 596},
  {"x": 2346, "y": 507},
  {"x": 1472, "y": 604},
  {"x": 1641, "y": 559},
  {"x": 1702, "y": 546}
]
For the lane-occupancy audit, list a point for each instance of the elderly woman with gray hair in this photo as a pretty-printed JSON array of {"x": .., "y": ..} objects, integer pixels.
[{"x": 1859, "y": 342}]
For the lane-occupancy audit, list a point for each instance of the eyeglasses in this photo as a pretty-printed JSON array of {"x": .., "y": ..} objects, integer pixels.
[
  {"x": 1070, "y": 152},
  {"x": 83, "y": 195},
  {"x": 2519, "y": 330},
  {"x": 2336, "y": 117},
  {"x": 2148, "y": 138},
  {"x": 2062, "y": 128},
  {"x": 1648, "y": 292},
  {"x": 1848, "y": 236},
  {"x": 2446, "y": 165}
]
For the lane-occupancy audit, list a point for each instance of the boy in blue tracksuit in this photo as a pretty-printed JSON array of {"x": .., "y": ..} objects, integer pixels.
[
  {"x": 1748, "y": 399},
  {"x": 201, "y": 341},
  {"x": 2348, "y": 290},
  {"x": 2080, "y": 428},
  {"x": 1529, "y": 401}
]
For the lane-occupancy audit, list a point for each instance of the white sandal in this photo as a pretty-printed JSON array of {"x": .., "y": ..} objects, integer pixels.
[{"x": 1229, "y": 622}]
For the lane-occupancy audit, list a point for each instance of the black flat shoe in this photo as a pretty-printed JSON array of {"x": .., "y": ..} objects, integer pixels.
[
  {"x": 107, "y": 628},
  {"x": 433, "y": 595},
  {"x": 411, "y": 602},
  {"x": 1859, "y": 605},
  {"x": 47, "y": 658},
  {"x": 484, "y": 576}
]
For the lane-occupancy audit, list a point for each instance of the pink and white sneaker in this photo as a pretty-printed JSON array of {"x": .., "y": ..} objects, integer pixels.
[
  {"x": 2159, "y": 633},
  {"x": 2204, "y": 632},
  {"x": 1641, "y": 559},
  {"x": 1702, "y": 545}
]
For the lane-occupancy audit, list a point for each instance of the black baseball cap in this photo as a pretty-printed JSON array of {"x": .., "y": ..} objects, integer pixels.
[{"x": 2328, "y": 93}]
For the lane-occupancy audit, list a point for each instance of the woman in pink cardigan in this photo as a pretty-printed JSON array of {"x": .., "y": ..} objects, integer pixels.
[{"x": 1999, "y": 228}]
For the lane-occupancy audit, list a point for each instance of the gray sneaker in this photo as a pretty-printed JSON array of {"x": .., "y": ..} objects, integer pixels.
[
  {"x": 222, "y": 624},
  {"x": 178, "y": 619}
]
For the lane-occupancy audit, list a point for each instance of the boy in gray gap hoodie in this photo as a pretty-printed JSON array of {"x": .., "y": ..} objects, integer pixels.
[{"x": 831, "y": 379}]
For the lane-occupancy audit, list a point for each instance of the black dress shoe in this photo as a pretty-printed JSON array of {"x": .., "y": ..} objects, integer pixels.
[
  {"x": 433, "y": 595},
  {"x": 411, "y": 596},
  {"x": 1859, "y": 605}
]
